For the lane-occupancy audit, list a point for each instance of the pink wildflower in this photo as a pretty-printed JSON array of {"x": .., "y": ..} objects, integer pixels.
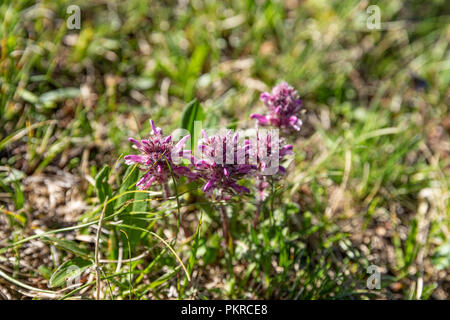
[
  {"x": 224, "y": 162},
  {"x": 156, "y": 154},
  {"x": 284, "y": 106},
  {"x": 270, "y": 152}
]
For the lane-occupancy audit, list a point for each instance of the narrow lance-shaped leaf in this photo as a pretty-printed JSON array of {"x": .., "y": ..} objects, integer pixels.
[
  {"x": 192, "y": 112},
  {"x": 104, "y": 189},
  {"x": 69, "y": 271}
]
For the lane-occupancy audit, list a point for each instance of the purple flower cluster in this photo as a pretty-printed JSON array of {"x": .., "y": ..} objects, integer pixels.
[
  {"x": 225, "y": 159},
  {"x": 284, "y": 106},
  {"x": 270, "y": 151},
  {"x": 224, "y": 162},
  {"x": 155, "y": 157}
]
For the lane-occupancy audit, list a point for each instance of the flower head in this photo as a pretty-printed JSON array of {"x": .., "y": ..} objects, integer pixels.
[
  {"x": 284, "y": 106},
  {"x": 270, "y": 152},
  {"x": 157, "y": 153},
  {"x": 224, "y": 162}
]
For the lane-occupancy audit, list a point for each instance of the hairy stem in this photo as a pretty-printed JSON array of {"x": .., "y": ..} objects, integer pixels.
[
  {"x": 225, "y": 226},
  {"x": 255, "y": 221}
]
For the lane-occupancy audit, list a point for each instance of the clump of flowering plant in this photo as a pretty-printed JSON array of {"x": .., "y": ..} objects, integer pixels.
[
  {"x": 226, "y": 158},
  {"x": 284, "y": 106},
  {"x": 224, "y": 162},
  {"x": 156, "y": 155}
]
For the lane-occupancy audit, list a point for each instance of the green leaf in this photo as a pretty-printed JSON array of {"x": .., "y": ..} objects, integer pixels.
[
  {"x": 101, "y": 183},
  {"x": 192, "y": 112},
  {"x": 441, "y": 258},
  {"x": 194, "y": 248},
  {"x": 411, "y": 243},
  {"x": 19, "y": 198},
  {"x": 197, "y": 60},
  {"x": 69, "y": 245},
  {"x": 104, "y": 189},
  {"x": 163, "y": 279},
  {"x": 45, "y": 271},
  {"x": 28, "y": 96},
  {"x": 128, "y": 180},
  {"x": 193, "y": 70},
  {"x": 69, "y": 270},
  {"x": 49, "y": 98},
  {"x": 22, "y": 132},
  {"x": 138, "y": 208},
  {"x": 14, "y": 175},
  {"x": 428, "y": 290}
]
